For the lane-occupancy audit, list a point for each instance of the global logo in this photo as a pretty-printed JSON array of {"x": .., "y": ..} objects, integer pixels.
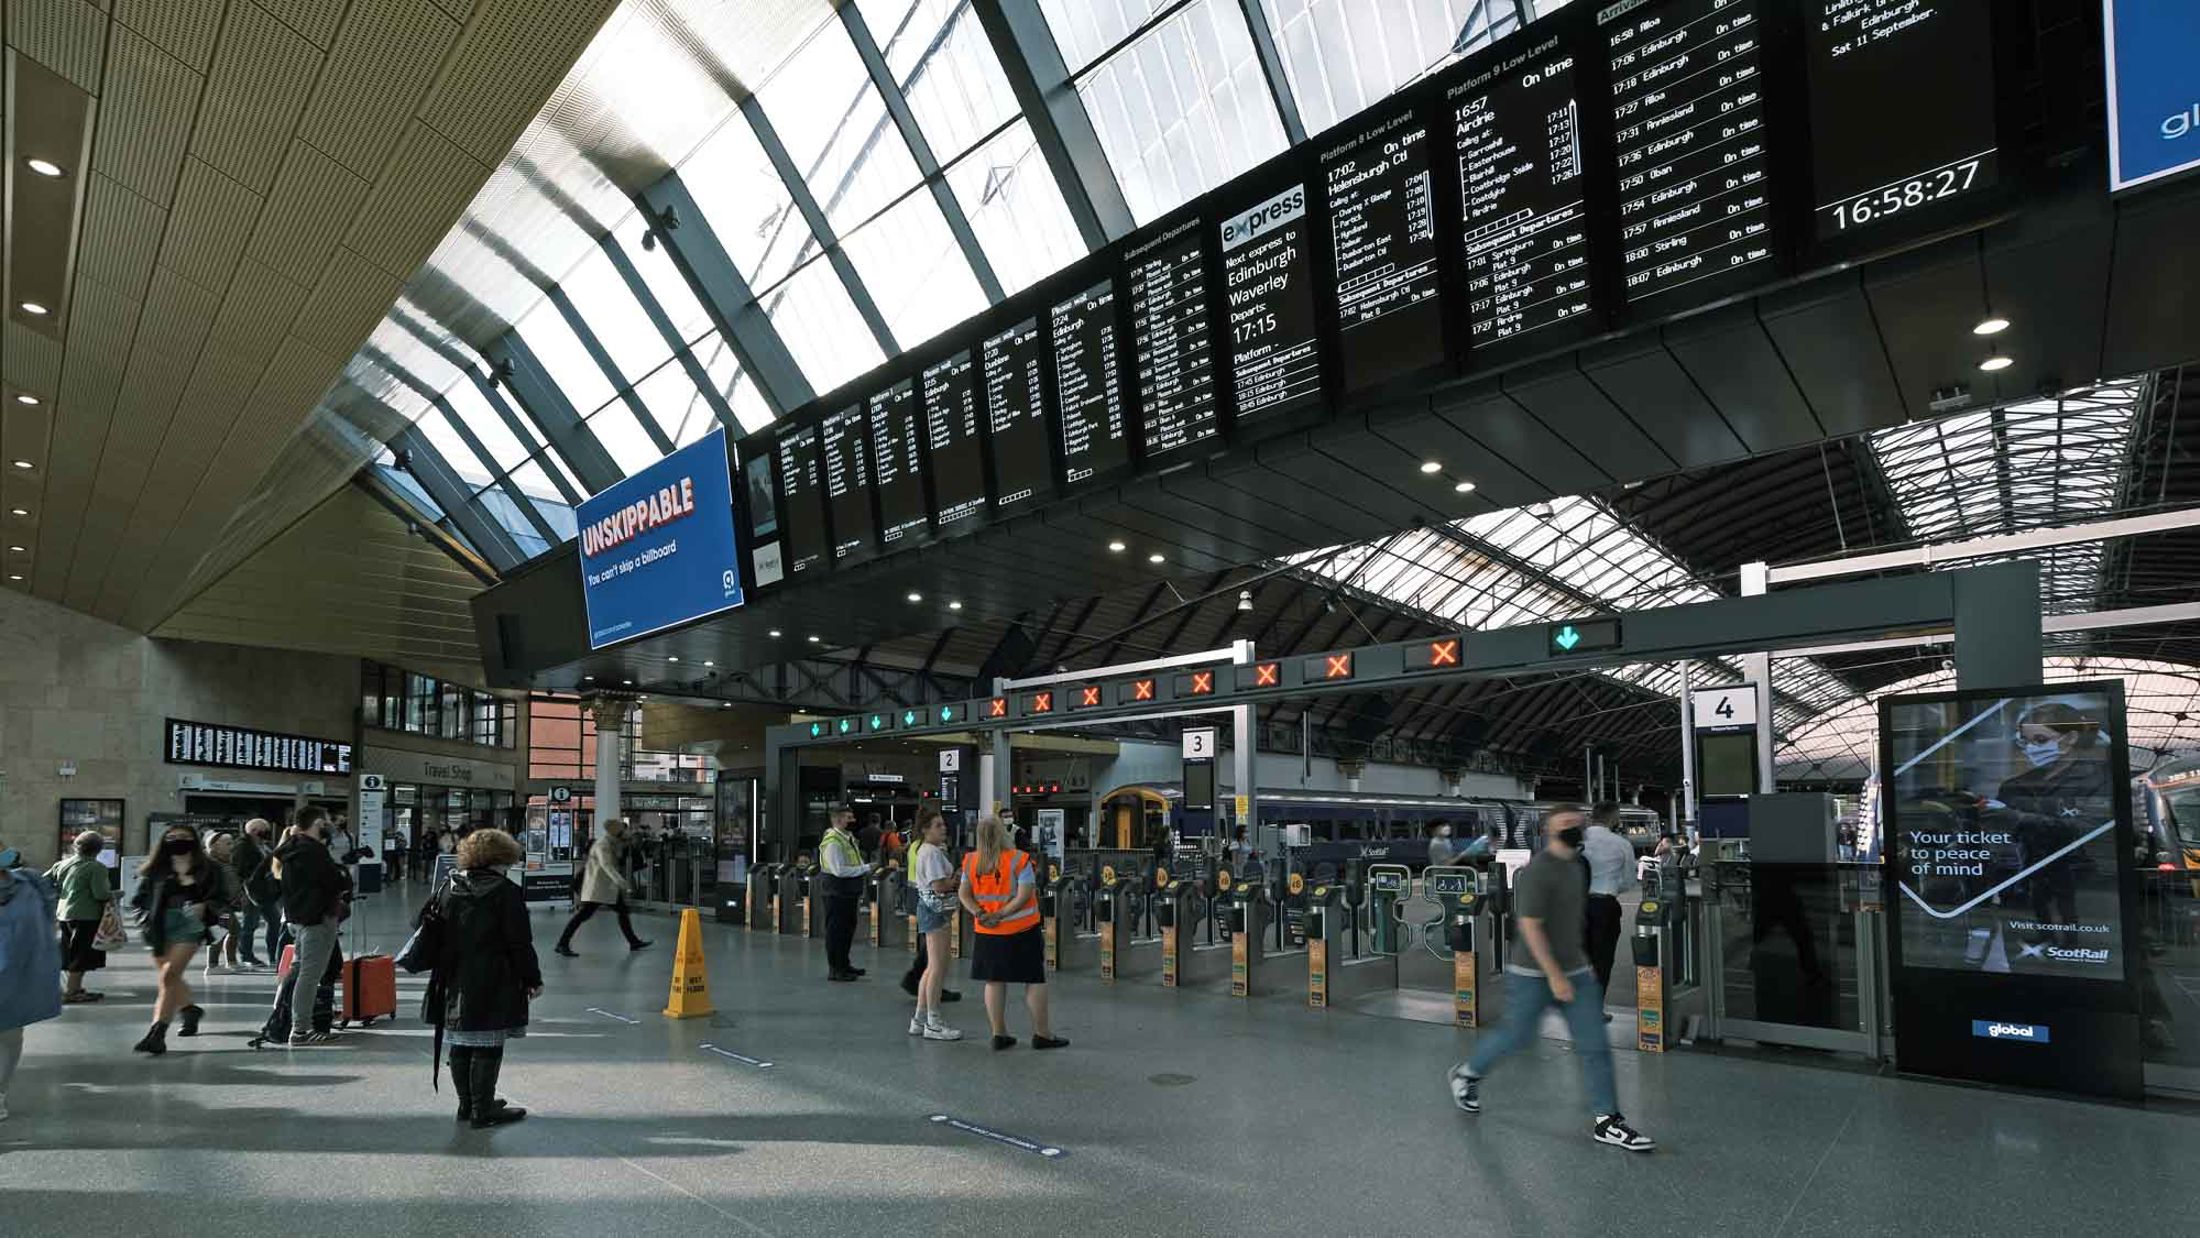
[
  {"x": 2178, "y": 124},
  {"x": 2027, "y": 1033}
]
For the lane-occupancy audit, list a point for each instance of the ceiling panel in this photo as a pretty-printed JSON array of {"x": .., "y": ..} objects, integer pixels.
[
  {"x": 144, "y": 119},
  {"x": 121, "y": 237},
  {"x": 185, "y": 29},
  {"x": 209, "y": 224},
  {"x": 66, "y": 36},
  {"x": 377, "y": 72},
  {"x": 258, "y": 84}
]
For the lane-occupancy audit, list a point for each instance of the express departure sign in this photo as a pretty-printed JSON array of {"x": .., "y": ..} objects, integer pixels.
[
  {"x": 1016, "y": 415},
  {"x": 802, "y": 502},
  {"x": 953, "y": 446},
  {"x": 1268, "y": 286},
  {"x": 848, "y": 485},
  {"x": 1172, "y": 341},
  {"x": 1382, "y": 220},
  {"x": 1088, "y": 385},
  {"x": 897, "y": 465}
]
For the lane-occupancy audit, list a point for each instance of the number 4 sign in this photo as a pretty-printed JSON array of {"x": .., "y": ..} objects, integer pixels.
[{"x": 1725, "y": 707}]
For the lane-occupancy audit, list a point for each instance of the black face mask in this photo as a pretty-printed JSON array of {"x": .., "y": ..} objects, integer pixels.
[
  {"x": 1571, "y": 836},
  {"x": 177, "y": 846}
]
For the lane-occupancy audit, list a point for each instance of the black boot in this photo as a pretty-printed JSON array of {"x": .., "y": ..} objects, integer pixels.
[
  {"x": 191, "y": 1016},
  {"x": 462, "y": 1081},
  {"x": 488, "y": 1110},
  {"x": 155, "y": 1040}
]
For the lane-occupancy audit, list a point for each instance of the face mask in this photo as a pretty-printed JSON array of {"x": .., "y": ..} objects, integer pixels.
[
  {"x": 176, "y": 846},
  {"x": 1571, "y": 836},
  {"x": 10, "y": 857},
  {"x": 2043, "y": 753}
]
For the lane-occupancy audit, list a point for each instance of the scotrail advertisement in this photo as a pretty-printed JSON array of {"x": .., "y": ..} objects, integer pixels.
[{"x": 659, "y": 549}]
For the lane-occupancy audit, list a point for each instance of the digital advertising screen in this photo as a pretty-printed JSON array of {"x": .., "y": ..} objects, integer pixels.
[
  {"x": 802, "y": 502},
  {"x": 1088, "y": 385},
  {"x": 846, "y": 456},
  {"x": 659, "y": 548},
  {"x": 763, "y": 504},
  {"x": 1014, "y": 373},
  {"x": 1268, "y": 287},
  {"x": 1382, "y": 220},
  {"x": 1873, "y": 177},
  {"x": 953, "y": 446},
  {"x": 2153, "y": 105},
  {"x": 1172, "y": 341},
  {"x": 897, "y": 465}
]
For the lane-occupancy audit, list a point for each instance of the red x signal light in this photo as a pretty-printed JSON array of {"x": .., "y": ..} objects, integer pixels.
[
  {"x": 997, "y": 707},
  {"x": 1041, "y": 702},
  {"x": 1337, "y": 666},
  {"x": 1268, "y": 674},
  {"x": 1142, "y": 689},
  {"x": 1088, "y": 696},
  {"x": 1443, "y": 652},
  {"x": 1203, "y": 683}
]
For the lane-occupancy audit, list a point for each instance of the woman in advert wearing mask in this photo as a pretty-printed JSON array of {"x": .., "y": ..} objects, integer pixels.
[
  {"x": 936, "y": 882},
  {"x": 179, "y": 895},
  {"x": 2066, "y": 791}
]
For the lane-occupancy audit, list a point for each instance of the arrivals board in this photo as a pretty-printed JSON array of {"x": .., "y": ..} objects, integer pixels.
[
  {"x": 848, "y": 485},
  {"x": 1268, "y": 287},
  {"x": 953, "y": 447},
  {"x": 1172, "y": 341},
  {"x": 1014, "y": 366},
  {"x": 1382, "y": 221},
  {"x": 238, "y": 747},
  {"x": 897, "y": 465},
  {"x": 802, "y": 502},
  {"x": 1873, "y": 176},
  {"x": 1088, "y": 384},
  {"x": 1691, "y": 147},
  {"x": 1524, "y": 236}
]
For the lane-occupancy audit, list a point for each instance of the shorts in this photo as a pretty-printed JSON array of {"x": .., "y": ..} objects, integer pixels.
[
  {"x": 1017, "y": 958},
  {"x": 930, "y": 918}
]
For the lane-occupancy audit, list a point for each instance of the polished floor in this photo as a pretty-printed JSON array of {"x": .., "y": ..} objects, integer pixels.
[{"x": 1171, "y": 1113}]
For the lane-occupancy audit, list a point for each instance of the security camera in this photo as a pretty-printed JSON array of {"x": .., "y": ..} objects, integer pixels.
[{"x": 1947, "y": 664}]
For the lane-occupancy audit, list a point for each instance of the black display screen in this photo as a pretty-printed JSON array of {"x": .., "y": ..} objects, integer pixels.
[
  {"x": 1525, "y": 235},
  {"x": 897, "y": 465},
  {"x": 1872, "y": 175},
  {"x": 1382, "y": 219},
  {"x": 1088, "y": 385},
  {"x": 848, "y": 485},
  {"x": 952, "y": 443},
  {"x": 238, "y": 747},
  {"x": 1014, "y": 365},
  {"x": 1268, "y": 284},
  {"x": 1695, "y": 168},
  {"x": 1172, "y": 341},
  {"x": 802, "y": 501}
]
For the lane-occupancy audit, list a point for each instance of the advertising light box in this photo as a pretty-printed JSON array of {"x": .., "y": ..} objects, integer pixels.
[{"x": 659, "y": 549}]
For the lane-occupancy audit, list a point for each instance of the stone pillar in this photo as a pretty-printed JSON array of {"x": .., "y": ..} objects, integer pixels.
[{"x": 610, "y": 710}]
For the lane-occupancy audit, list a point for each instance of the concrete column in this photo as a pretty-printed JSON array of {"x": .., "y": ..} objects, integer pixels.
[
  {"x": 610, "y": 712},
  {"x": 996, "y": 774}
]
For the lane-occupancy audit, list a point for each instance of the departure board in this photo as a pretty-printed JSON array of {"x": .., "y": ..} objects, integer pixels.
[
  {"x": 1172, "y": 341},
  {"x": 897, "y": 465},
  {"x": 1688, "y": 102},
  {"x": 1088, "y": 384},
  {"x": 1268, "y": 285},
  {"x": 1382, "y": 219},
  {"x": 848, "y": 484},
  {"x": 952, "y": 445},
  {"x": 1013, "y": 365},
  {"x": 802, "y": 501},
  {"x": 1525, "y": 235},
  {"x": 1875, "y": 177}
]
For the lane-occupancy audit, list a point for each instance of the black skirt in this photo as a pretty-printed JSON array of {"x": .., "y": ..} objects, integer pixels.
[
  {"x": 77, "y": 952},
  {"x": 1015, "y": 958}
]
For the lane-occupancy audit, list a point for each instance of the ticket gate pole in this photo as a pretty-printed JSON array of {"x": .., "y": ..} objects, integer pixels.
[
  {"x": 789, "y": 904},
  {"x": 1112, "y": 912},
  {"x": 1386, "y": 893},
  {"x": 1069, "y": 947},
  {"x": 1456, "y": 892},
  {"x": 1170, "y": 912},
  {"x": 813, "y": 902},
  {"x": 1247, "y": 927},
  {"x": 888, "y": 926},
  {"x": 1333, "y": 976},
  {"x": 1654, "y": 922},
  {"x": 763, "y": 898}
]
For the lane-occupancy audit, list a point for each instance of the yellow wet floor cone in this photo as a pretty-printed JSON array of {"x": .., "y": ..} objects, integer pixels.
[{"x": 690, "y": 977}]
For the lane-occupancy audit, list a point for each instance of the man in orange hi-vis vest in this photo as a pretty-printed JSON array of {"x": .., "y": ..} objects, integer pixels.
[{"x": 1000, "y": 890}]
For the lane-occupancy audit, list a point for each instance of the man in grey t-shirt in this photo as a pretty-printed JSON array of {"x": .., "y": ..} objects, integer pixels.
[{"x": 1550, "y": 967}]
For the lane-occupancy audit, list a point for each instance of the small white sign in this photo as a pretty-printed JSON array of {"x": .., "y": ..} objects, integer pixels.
[
  {"x": 1725, "y": 707},
  {"x": 951, "y": 760},
  {"x": 372, "y": 782},
  {"x": 1200, "y": 744},
  {"x": 770, "y": 565}
]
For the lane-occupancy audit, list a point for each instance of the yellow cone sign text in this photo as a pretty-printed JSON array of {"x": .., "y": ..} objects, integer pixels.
[{"x": 690, "y": 978}]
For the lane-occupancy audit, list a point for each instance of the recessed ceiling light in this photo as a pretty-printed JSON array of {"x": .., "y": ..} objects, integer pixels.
[
  {"x": 672, "y": 657},
  {"x": 1431, "y": 466},
  {"x": 23, "y": 464},
  {"x": 775, "y": 633},
  {"x": 44, "y": 167},
  {"x": 12, "y": 576},
  {"x": 1156, "y": 557},
  {"x": 954, "y": 606},
  {"x": 916, "y": 597},
  {"x": 1995, "y": 363},
  {"x": 1465, "y": 487},
  {"x": 628, "y": 682},
  {"x": 1117, "y": 547},
  {"x": 708, "y": 662},
  {"x": 813, "y": 640},
  {"x": 1992, "y": 324},
  {"x": 25, "y": 397},
  {"x": 32, "y": 308},
  {"x": 17, "y": 511},
  {"x": 588, "y": 679},
  {"x": 15, "y": 549}
]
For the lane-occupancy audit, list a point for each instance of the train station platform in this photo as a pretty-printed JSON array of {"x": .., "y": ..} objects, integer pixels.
[{"x": 1170, "y": 1113}]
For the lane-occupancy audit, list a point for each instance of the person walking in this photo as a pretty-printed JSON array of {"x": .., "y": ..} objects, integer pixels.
[
  {"x": 1611, "y": 874},
  {"x": 485, "y": 975},
  {"x": 314, "y": 890},
  {"x": 1549, "y": 966},
  {"x": 605, "y": 884},
  {"x": 840, "y": 859},
  {"x": 1000, "y": 887},
  {"x": 228, "y": 902},
  {"x": 935, "y": 882},
  {"x": 180, "y": 896},
  {"x": 30, "y": 960},
  {"x": 86, "y": 894},
  {"x": 251, "y": 858},
  {"x": 913, "y": 979}
]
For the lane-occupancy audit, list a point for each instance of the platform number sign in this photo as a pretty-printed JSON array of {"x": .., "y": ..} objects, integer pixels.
[
  {"x": 1718, "y": 708},
  {"x": 1200, "y": 744}
]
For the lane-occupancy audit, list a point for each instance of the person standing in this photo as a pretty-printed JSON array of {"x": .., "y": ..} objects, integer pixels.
[
  {"x": 249, "y": 859},
  {"x": 1611, "y": 874},
  {"x": 86, "y": 891},
  {"x": 1000, "y": 887},
  {"x": 30, "y": 961},
  {"x": 313, "y": 893},
  {"x": 1549, "y": 966},
  {"x": 179, "y": 895},
  {"x": 913, "y": 979},
  {"x": 1439, "y": 844},
  {"x": 935, "y": 882},
  {"x": 228, "y": 901},
  {"x": 485, "y": 975},
  {"x": 605, "y": 884},
  {"x": 840, "y": 859}
]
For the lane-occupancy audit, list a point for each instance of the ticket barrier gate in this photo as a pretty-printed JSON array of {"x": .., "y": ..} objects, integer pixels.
[
  {"x": 1119, "y": 910},
  {"x": 1061, "y": 915},
  {"x": 1336, "y": 972},
  {"x": 1441, "y": 936},
  {"x": 889, "y": 924},
  {"x": 1185, "y": 961},
  {"x": 794, "y": 900},
  {"x": 813, "y": 901},
  {"x": 1255, "y": 970},
  {"x": 762, "y": 904},
  {"x": 1388, "y": 887},
  {"x": 1655, "y": 935}
]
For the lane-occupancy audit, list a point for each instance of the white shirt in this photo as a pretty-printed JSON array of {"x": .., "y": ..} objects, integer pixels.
[
  {"x": 933, "y": 866},
  {"x": 1611, "y": 861},
  {"x": 840, "y": 856}
]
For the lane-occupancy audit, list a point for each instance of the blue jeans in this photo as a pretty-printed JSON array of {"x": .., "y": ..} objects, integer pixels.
[{"x": 1526, "y": 998}]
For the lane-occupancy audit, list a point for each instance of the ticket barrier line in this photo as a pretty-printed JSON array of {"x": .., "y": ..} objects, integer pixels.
[
  {"x": 1336, "y": 974},
  {"x": 1118, "y": 910},
  {"x": 1186, "y": 962},
  {"x": 1069, "y": 945}
]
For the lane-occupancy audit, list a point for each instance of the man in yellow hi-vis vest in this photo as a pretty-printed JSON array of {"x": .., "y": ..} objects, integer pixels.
[{"x": 844, "y": 870}]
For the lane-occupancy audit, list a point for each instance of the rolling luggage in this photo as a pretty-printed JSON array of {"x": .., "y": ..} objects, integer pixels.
[{"x": 370, "y": 989}]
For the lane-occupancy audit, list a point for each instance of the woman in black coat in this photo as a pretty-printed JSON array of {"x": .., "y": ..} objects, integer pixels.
[{"x": 485, "y": 973}]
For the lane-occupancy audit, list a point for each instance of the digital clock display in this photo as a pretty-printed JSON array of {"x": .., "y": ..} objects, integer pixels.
[{"x": 1871, "y": 170}]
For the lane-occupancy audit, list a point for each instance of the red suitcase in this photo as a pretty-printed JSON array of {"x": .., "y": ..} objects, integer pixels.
[{"x": 370, "y": 988}]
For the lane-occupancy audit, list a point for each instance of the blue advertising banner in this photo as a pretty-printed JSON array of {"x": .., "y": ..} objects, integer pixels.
[
  {"x": 659, "y": 549},
  {"x": 2153, "y": 58}
]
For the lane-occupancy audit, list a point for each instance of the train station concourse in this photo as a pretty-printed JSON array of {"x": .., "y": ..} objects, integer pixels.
[{"x": 1527, "y": 617}]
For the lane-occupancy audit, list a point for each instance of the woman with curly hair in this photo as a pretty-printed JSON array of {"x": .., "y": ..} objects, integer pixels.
[{"x": 485, "y": 973}]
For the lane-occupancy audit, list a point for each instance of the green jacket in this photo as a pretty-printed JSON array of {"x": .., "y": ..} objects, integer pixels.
[{"x": 85, "y": 888}]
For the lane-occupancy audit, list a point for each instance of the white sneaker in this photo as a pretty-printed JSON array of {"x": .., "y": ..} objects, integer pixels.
[
  {"x": 936, "y": 1030},
  {"x": 1613, "y": 1129},
  {"x": 916, "y": 1026}
]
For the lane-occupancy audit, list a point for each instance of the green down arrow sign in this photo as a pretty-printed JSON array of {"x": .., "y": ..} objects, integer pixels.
[{"x": 1582, "y": 636}]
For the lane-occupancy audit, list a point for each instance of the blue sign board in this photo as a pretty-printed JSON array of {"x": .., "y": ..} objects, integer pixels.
[
  {"x": 659, "y": 549},
  {"x": 2153, "y": 57},
  {"x": 2026, "y": 1033}
]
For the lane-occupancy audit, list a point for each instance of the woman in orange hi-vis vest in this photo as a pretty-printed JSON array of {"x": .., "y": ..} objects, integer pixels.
[{"x": 1000, "y": 890}]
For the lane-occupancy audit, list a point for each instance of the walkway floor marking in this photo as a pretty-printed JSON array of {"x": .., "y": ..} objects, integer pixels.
[
  {"x": 1014, "y": 1141},
  {"x": 608, "y": 1015},
  {"x": 707, "y": 1047}
]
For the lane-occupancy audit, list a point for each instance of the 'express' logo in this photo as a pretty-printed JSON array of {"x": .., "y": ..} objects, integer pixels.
[{"x": 1274, "y": 213}]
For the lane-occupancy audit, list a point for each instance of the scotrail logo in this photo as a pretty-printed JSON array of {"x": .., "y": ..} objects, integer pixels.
[
  {"x": 2029, "y": 1033},
  {"x": 2063, "y": 954}
]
